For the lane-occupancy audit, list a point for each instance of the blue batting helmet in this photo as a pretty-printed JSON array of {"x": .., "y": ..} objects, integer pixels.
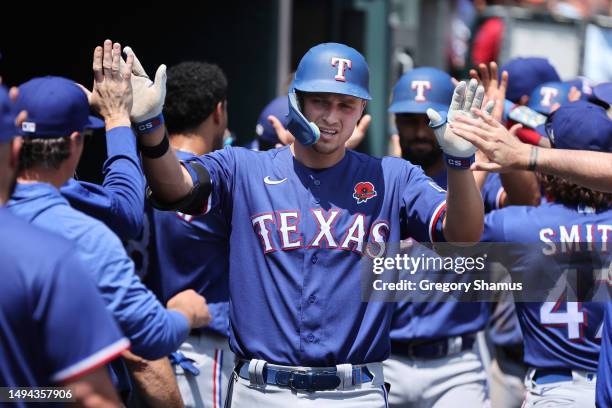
[
  {"x": 329, "y": 67},
  {"x": 546, "y": 95},
  {"x": 420, "y": 89}
]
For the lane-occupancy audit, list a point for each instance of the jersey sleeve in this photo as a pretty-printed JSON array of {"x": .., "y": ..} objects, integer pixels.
[
  {"x": 119, "y": 202},
  {"x": 494, "y": 227},
  {"x": 153, "y": 330},
  {"x": 423, "y": 204},
  {"x": 491, "y": 193},
  {"x": 78, "y": 333},
  {"x": 220, "y": 167}
]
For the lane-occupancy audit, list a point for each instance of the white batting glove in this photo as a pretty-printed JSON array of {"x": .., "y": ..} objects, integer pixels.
[
  {"x": 458, "y": 152},
  {"x": 149, "y": 96}
]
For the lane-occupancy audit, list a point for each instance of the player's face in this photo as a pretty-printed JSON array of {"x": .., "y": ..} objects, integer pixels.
[
  {"x": 336, "y": 116},
  {"x": 417, "y": 139}
]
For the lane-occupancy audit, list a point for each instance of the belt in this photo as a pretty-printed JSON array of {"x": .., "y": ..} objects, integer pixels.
[
  {"x": 301, "y": 380},
  {"x": 548, "y": 376},
  {"x": 433, "y": 349}
]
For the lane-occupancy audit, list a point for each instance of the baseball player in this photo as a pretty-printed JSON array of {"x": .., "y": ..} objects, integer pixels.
[
  {"x": 43, "y": 287},
  {"x": 302, "y": 217},
  {"x": 423, "y": 370},
  {"x": 561, "y": 338},
  {"x": 58, "y": 111},
  {"x": 196, "y": 117}
]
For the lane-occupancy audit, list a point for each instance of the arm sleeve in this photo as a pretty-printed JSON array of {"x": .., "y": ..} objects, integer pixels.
[
  {"x": 119, "y": 202},
  {"x": 423, "y": 205},
  {"x": 75, "y": 346},
  {"x": 493, "y": 227},
  {"x": 153, "y": 330}
]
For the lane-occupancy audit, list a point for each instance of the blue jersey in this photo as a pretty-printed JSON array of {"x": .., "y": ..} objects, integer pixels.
[
  {"x": 119, "y": 202},
  {"x": 492, "y": 190},
  {"x": 604, "y": 372},
  {"x": 557, "y": 334},
  {"x": 297, "y": 238},
  {"x": 153, "y": 330},
  {"x": 181, "y": 251},
  {"x": 53, "y": 324},
  {"x": 435, "y": 320}
]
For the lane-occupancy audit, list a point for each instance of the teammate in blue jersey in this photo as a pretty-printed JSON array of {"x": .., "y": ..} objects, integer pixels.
[
  {"x": 421, "y": 332},
  {"x": 302, "y": 217},
  {"x": 57, "y": 114},
  {"x": 196, "y": 117},
  {"x": 44, "y": 286},
  {"x": 561, "y": 339}
]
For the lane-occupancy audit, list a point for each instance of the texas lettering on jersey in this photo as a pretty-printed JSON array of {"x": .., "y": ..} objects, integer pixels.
[{"x": 286, "y": 225}]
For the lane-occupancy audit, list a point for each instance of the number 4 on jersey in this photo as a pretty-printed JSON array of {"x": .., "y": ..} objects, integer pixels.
[{"x": 573, "y": 317}]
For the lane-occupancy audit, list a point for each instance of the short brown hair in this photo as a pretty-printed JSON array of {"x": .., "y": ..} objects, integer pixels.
[{"x": 46, "y": 152}]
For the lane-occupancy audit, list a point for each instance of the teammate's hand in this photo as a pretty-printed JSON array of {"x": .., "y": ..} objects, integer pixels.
[
  {"x": 359, "y": 132},
  {"x": 112, "y": 92},
  {"x": 193, "y": 306},
  {"x": 502, "y": 148},
  {"x": 465, "y": 98},
  {"x": 149, "y": 95},
  {"x": 495, "y": 90}
]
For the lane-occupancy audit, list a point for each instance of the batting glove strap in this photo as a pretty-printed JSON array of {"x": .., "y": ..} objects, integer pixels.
[
  {"x": 462, "y": 163},
  {"x": 149, "y": 125}
]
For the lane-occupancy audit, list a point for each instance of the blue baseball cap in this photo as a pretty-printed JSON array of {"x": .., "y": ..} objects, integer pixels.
[
  {"x": 525, "y": 74},
  {"x": 580, "y": 126},
  {"x": 335, "y": 68},
  {"x": 7, "y": 117},
  {"x": 546, "y": 95},
  {"x": 56, "y": 107},
  {"x": 279, "y": 108},
  {"x": 603, "y": 92},
  {"x": 420, "y": 89}
]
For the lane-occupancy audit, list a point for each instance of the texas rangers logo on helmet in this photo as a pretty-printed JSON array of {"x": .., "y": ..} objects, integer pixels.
[
  {"x": 364, "y": 190},
  {"x": 420, "y": 87},
  {"x": 548, "y": 94},
  {"x": 342, "y": 64}
]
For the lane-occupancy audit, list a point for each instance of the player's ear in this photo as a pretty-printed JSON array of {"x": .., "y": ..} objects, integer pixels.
[{"x": 219, "y": 112}]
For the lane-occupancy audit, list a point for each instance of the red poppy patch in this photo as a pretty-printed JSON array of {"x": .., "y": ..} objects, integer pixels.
[{"x": 364, "y": 190}]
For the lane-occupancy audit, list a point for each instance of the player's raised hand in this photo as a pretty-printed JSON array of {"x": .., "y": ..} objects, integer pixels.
[
  {"x": 149, "y": 95},
  {"x": 193, "y": 306},
  {"x": 112, "y": 92},
  {"x": 359, "y": 132},
  {"x": 465, "y": 98},
  {"x": 503, "y": 150},
  {"x": 495, "y": 90}
]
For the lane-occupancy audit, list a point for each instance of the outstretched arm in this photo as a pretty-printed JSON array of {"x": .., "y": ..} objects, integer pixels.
[{"x": 505, "y": 152}]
